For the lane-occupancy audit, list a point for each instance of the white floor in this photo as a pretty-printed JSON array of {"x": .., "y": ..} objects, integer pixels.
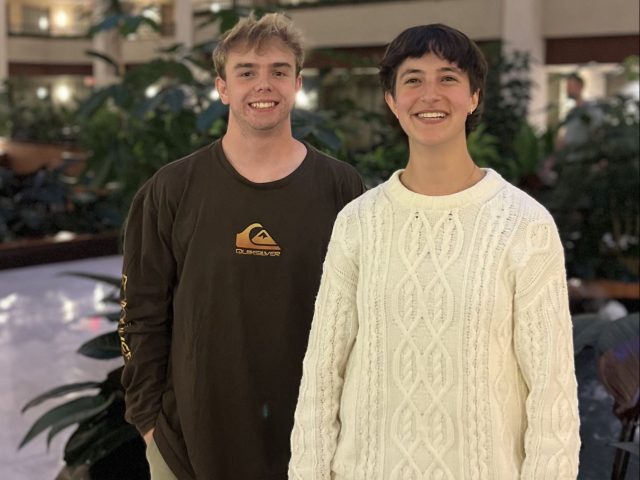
[{"x": 44, "y": 318}]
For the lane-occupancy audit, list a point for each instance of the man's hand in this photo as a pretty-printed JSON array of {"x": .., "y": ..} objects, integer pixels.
[{"x": 148, "y": 437}]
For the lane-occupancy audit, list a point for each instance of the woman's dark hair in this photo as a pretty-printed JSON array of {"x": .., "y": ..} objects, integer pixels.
[{"x": 445, "y": 42}]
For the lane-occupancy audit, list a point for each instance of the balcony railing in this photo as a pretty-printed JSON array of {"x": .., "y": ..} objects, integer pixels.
[
  {"x": 215, "y": 5},
  {"x": 28, "y": 29},
  {"x": 43, "y": 29}
]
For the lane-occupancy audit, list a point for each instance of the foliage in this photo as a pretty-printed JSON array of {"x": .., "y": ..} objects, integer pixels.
[
  {"x": 503, "y": 141},
  {"x": 98, "y": 414},
  {"x": 117, "y": 17},
  {"x": 595, "y": 200},
  {"x": 131, "y": 132},
  {"x": 22, "y": 118},
  {"x": 506, "y": 99},
  {"x": 47, "y": 202},
  {"x": 617, "y": 345},
  {"x": 5, "y": 112}
]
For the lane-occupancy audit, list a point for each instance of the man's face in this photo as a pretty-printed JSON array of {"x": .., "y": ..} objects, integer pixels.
[
  {"x": 574, "y": 89},
  {"x": 432, "y": 100},
  {"x": 260, "y": 87}
]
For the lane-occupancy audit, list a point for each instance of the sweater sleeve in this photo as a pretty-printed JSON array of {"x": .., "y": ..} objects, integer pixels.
[
  {"x": 333, "y": 331},
  {"x": 146, "y": 314},
  {"x": 544, "y": 349}
]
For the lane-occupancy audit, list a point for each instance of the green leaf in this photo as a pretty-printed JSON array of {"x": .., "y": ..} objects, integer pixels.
[
  {"x": 103, "y": 56},
  {"x": 112, "y": 317},
  {"x": 102, "y": 445},
  {"x": 209, "y": 115},
  {"x": 130, "y": 24},
  {"x": 54, "y": 431},
  {"x": 95, "y": 101},
  {"x": 102, "y": 347},
  {"x": 175, "y": 99},
  {"x": 84, "y": 435},
  {"x": 587, "y": 328},
  {"x": 619, "y": 332},
  {"x": 58, "y": 392},
  {"x": 149, "y": 73},
  {"x": 149, "y": 105},
  {"x": 108, "y": 23},
  {"x": 228, "y": 19},
  {"x": 171, "y": 48},
  {"x": 114, "y": 281},
  {"x": 631, "y": 447},
  {"x": 67, "y": 414},
  {"x": 329, "y": 139}
]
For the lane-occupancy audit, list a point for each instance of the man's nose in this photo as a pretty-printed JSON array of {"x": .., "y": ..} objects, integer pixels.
[{"x": 263, "y": 83}]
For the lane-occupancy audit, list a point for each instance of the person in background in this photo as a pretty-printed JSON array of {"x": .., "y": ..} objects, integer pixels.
[
  {"x": 223, "y": 253},
  {"x": 583, "y": 117},
  {"x": 575, "y": 131},
  {"x": 441, "y": 345}
]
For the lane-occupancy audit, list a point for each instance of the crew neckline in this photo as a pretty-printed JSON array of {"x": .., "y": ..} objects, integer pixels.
[
  {"x": 219, "y": 154},
  {"x": 483, "y": 190}
]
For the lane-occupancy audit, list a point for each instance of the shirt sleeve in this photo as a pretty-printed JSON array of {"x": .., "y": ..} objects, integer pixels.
[
  {"x": 333, "y": 331},
  {"x": 544, "y": 349},
  {"x": 146, "y": 315}
]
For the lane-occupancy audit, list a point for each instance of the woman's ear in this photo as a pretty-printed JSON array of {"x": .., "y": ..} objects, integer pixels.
[{"x": 475, "y": 99}]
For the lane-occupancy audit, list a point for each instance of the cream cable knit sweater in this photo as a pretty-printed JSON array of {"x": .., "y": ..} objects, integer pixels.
[{"x": 441, "y": 346}]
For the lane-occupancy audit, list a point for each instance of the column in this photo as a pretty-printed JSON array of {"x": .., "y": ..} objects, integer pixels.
[
  {"x": 184, "y": 22},
  {"x": 522, "y": 31},
  {"x": 109, "y": 43},
  {"x": 4, "y": 41}
]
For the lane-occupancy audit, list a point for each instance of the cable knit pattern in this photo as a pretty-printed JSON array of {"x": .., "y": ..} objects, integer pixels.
[{"x": 441, "y": 344}]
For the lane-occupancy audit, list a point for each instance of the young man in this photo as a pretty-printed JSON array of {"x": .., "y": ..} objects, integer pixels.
[
  {"x": 441, "y": 344},
  {"x": 222, "y": 261}
]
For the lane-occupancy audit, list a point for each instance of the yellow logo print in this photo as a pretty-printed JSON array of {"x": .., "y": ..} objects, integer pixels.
[
  {"x": 122, "y": 323},
  {"x": 255, "y": 240}
]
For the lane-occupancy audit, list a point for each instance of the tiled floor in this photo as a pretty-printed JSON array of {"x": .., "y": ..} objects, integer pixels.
[{"x": 44, "y": 318}]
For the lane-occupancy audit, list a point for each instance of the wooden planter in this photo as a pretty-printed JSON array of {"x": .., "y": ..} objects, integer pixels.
[
  {"x": 25, "y": 157},
  {"x": 24, "y": 253},
  {"x": 604, "y": 290}
]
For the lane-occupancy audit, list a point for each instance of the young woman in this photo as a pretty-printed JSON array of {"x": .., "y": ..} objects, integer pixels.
[{"x": 441, "y": 346}]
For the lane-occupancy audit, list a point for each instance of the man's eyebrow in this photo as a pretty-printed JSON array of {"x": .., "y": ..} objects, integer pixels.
[{"x": 238, "y": 66}]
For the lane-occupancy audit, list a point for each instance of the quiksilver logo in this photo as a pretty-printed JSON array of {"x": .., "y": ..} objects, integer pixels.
[{"x": 255, "y": 240}]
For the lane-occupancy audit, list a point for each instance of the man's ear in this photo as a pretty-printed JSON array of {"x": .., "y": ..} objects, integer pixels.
[
  {"x": 298, "y": 83},
  {"x": 221, "y": 87},
  {"x": 388, "y": 97}
]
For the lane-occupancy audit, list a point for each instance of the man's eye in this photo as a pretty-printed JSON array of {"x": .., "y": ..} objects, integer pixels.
[
  {"x": 279, "y": 74},
  {"x": 246, "y": 74},
  {"x": 410, "y": 81},
  {"x": 449, "y": 78}
]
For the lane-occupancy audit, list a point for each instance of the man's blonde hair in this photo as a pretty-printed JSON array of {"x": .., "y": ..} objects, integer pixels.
[{"x": 255, "y": 34}]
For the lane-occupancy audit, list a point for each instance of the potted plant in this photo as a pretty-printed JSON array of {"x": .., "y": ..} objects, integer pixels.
[
  {"x": 595, "y": 198},
  {"x": 103, "y": 445}
]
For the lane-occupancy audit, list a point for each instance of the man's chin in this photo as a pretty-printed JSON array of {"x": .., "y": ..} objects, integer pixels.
[{"x": 267, "y": 127}]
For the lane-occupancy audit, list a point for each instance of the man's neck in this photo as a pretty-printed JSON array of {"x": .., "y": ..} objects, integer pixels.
[
  {"x": 264, "y": 157},
  {"x": 441, "y": 170}
]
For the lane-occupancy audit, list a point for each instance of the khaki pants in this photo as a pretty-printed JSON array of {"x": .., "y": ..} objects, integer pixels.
[{"x": 159, "y": 468}]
